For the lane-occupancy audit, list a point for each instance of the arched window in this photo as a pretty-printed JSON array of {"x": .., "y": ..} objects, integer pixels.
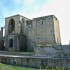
[
  {"x": 11, "y": 26},
  {"x": 11, "y": 43}
]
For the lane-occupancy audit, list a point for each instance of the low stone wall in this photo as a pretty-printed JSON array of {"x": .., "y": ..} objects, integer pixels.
[
  {"x": 34, "y": 61},
  {"x": 27, "y": 62}
]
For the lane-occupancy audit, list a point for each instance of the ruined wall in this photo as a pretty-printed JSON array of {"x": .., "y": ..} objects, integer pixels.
[
  {"x": 19, "y": 24},
  {"x": 43, "y": 31},
  {"x": 7, "y": 22},
  {"x": 1, "y": 32},
  {"x": 1, "y": 39},
  {"x": 15, "y": 42}
]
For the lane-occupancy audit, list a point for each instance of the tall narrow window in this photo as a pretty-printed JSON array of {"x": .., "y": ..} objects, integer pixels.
[{"x": 11, "y": 43}]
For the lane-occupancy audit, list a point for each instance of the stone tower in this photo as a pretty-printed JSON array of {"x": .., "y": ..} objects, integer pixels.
[
  {"x": 45, "y": 31},
  {"x": 15, "y": 33}
]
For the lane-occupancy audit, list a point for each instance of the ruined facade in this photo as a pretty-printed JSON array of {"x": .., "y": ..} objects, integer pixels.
[
  {"x": 41, "y": 31},
  {"x": 33, "y": 42},
  {"x": 15, "y": 33}
]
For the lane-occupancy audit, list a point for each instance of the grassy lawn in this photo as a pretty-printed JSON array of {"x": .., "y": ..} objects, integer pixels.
[{"x": 10, "y": 67}]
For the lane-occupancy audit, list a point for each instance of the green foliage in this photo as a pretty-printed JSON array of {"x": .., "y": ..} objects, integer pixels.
[
  {"x": 46, "y": 68},
  {"x": 51, "y": 68},
  {"x": 10, "y": 67},
  {"x": 68, "y": 67},
  {"x": 59, "y": 68},
  {"x": 40, "y": 68}
]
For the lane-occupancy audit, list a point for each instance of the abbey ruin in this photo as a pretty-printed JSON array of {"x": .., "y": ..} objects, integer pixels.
[{"x": 33, "y": 42}]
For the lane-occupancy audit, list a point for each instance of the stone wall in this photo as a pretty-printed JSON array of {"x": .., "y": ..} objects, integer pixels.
[
  {"x": 2, "y": 44},
  {"x": 19, "y": 42},
  {"x": 19, "y": 24},
  {"x": 45, "y": 31},
  {"x": 1, "y": 32},
  {"x": 36, "y": 62},
  {"x": 27, "y": 62}
]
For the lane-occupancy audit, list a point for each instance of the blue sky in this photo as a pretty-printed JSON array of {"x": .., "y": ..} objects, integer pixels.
[
  {"x": 37, "y": 8},
  {"x": 23, "y": 7}
]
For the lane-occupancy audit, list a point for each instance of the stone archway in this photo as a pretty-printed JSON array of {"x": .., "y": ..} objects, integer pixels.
[{"x": 11, "y": 26}]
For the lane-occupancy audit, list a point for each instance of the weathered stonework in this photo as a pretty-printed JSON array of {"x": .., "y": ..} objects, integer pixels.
[
  {"x": 38, "y": 39},
  {"x": 41, "y": 31},
  {"x": 19, "y": 42}
]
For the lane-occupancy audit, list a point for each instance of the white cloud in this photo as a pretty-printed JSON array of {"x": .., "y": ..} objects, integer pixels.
[{"x": 28, "y": 2}]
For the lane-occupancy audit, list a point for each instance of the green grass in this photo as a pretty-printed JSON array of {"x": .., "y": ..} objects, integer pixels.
[{"x": 10, "y": 67}]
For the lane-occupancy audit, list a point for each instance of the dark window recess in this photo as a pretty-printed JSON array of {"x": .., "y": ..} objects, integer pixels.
[
  {"x": 42, "y": 22},
  {"x": 27, "y": 60},
  {"x": 11, "y": 43},
  {"x": 14, "y": 63}
]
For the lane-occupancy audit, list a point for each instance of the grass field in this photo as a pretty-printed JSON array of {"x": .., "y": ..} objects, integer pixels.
[{"x": 10, "y": 67}]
